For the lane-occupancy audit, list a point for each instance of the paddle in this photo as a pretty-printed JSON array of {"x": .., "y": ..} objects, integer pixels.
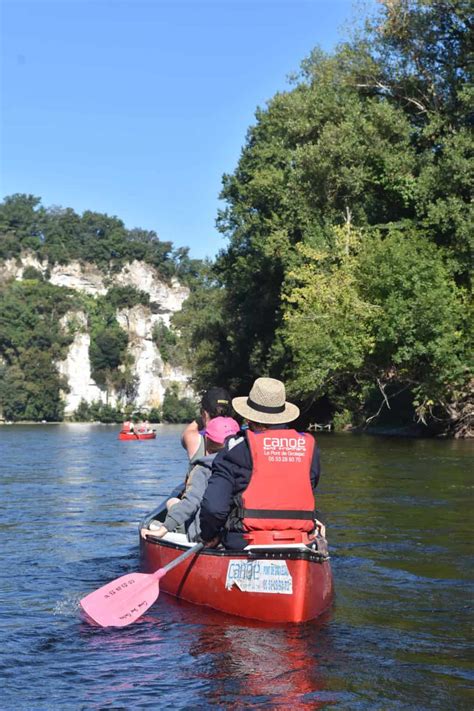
[{"x": 124, "y": 600}]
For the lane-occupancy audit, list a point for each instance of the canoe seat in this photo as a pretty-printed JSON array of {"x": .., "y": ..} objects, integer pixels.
[{"x": 179, "y": 538}]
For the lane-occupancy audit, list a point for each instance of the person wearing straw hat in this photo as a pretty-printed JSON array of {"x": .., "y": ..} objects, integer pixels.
[{"x": 263, "y": 482}]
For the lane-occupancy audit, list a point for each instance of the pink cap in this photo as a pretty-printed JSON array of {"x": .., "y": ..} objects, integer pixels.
[{"x": 219, "y": 428}]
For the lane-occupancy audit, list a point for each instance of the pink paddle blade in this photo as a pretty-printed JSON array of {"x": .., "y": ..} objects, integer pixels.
[{"x": 123, "y": 600}]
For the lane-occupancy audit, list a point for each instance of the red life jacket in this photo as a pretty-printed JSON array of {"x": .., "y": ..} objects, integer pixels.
[{"x": 279, "y": 496}]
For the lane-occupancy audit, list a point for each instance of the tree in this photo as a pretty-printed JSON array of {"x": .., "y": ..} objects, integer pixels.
[
  {"x": 372, "y": 139},
  {"x": 32, "y": 341},
  {"x": 176, "y": 409},
  {"x": 60, "y": 235},
  {"x": 328, "y": 325},
  {"x": 107, "y": 350},
  {"x": 422, "y": 332},
  {"x": 21, "y": 224}
]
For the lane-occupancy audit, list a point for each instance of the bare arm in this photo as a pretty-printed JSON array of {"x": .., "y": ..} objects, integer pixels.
[{"x": 190, "y": 439}]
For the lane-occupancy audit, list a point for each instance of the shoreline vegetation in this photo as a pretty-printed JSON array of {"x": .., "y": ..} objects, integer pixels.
[{"x": 347, "y": 270}]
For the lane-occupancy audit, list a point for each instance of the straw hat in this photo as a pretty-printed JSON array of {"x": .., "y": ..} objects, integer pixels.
[{"x": 266, "y": 403}]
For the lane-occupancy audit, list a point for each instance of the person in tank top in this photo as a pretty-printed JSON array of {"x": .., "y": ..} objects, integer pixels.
[
  {"x": 216, "y": 402},
  {"x": 183, "y": 513}
]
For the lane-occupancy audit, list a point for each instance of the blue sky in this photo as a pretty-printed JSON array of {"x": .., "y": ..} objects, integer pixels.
[{"x": 137, "y": 108}]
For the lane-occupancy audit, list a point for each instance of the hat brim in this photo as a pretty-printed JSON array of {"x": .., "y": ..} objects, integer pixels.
[{"x": 289, "y": 414}]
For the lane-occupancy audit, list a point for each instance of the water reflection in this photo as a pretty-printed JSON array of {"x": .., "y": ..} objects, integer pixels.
[{"x": 251, "y": 663}]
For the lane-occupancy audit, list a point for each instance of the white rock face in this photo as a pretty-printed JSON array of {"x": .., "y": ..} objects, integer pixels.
[
  {"x": 153, "y": 376},
  {"x": 168, "y": 299},
  {"x": 77, "y": 371},
  {"x": 13, "y": 269},
  {"x": 80, "y": 278},
  {"x": 89, "y": 279}
]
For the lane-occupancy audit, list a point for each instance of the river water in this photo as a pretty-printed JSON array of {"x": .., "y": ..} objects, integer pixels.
[{"x": 397, "y": 637}]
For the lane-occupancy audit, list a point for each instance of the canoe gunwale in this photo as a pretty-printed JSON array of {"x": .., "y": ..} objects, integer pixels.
[{"x": 307, "y": 553}]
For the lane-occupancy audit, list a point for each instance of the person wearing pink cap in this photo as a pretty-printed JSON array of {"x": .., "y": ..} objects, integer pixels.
[
  {"x": 215, "y": 403},
  {"x": 184, "y": 512}
]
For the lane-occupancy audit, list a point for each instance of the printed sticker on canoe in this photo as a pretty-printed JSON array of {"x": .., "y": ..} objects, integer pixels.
[{"x": 262, "y": 576}]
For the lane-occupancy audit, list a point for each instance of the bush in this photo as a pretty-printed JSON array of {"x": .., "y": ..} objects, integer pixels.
[
  {"x": 154, "y": 415},
  {"x": 82, "y": 413},
  {"x": 176, "y": 409},
  {"x": 165, "y": 340},
  {"x": 96, "y": 412},
  {"x": 122, "y": 297},
  {"x": 342, "y": 420},
  {"x": 107, "y": 351},
  {"x": 32, "y": 273},
  {"x": 108, "y": 414}
]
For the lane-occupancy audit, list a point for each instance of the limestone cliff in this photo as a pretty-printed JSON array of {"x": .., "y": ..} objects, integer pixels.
[{"x": 151, "y": 374}]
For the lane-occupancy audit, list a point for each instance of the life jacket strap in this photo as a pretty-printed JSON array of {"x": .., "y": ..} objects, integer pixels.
[{"x": 274, "y": 513}]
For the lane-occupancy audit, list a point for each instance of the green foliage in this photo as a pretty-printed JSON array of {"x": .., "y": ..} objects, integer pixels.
[
  {"x": 108, "y": 344},
  {"x": 96, "y": 412},
  {"x": 21, "y": 225},
  {"x": 126, "y": 297},
  {"x": 342, "y": 420},
  {"x": 421, "y": 332},
  {"x": 422, "y": 52},
  {"x": 327, "y": 324},
  {"x": 108, "y": 414},
  {"x": 82, "y": 412},
  {"x": 60, "y": 235},
  {"x": 204, "y": 341},
  {"x": 107, "y": 350},
  {"x": 166, "y": 341},
  {"x": 390, "y": 313},
  {"x": 30, "y": 273},
  {"x": 176, "y": 409},
  {"x": 154, "y": 415},
  {"x": 372, "y": 142},
  {"x": 32, "y": 340},
  {"x": 31, "y": 389}
]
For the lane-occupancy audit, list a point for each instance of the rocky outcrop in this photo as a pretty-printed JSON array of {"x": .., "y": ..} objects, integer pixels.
[
  {"x": 152, "y": 375},
  {"x": 76, "y": 368},
  {"x": 165, "y": 299}
]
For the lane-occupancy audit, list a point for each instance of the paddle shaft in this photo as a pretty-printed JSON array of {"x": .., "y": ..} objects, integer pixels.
[{"x": 162, "y": 571}]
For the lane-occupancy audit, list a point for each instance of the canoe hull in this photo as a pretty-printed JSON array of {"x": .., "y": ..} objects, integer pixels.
[
  {"x": 126, "y": 436},
  {"x": 204, "y": 580}
]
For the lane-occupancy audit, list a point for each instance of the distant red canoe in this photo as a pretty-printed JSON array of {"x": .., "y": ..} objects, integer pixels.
[
  {"x": 272, "y": 583},
  {"x": 136, "y": 435}
]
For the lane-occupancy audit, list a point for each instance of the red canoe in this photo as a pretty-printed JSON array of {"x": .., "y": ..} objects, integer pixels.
[
  {"x": 273, "y": 583},
  {"x": 136, "y": 435}
]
